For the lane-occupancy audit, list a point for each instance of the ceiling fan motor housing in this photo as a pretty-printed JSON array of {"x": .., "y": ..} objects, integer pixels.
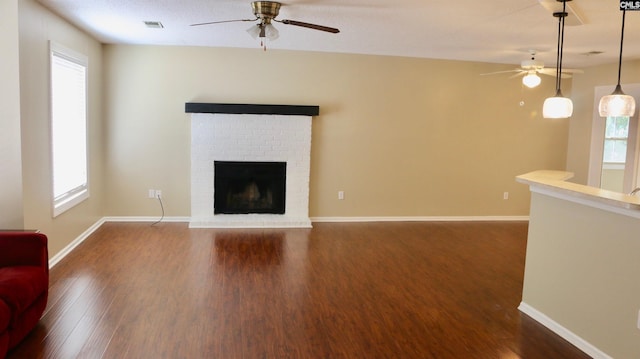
[
  {"x": 532, "y": 65},
  {"x": 265, "y": 10}
]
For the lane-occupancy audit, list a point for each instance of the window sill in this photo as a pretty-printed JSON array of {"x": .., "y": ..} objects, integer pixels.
[{"x": 66, "y": 204}]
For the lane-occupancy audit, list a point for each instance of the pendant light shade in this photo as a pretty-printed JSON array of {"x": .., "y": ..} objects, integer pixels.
[
  {"x": 558, "y": 106},
  {"x": 618, "y": 104}
]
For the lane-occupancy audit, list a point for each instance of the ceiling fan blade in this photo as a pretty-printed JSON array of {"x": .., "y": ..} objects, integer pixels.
[
  {"x": 310, "y": 26},
  {"x": 502, "y": 72},
  {"x": 548, "y": 73},
  {"x": 516, "y": 75},
  {"x": 573, "y": 71},
  {"x": 222, "y": 22},
  {"x": 566, "y": 73}
]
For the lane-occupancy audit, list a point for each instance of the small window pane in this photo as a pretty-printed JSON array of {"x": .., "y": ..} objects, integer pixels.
[
  {"x": 617, "y": 127},
  {"x": 610, "y": 127},
  {"x": 622, "y": 127},
  {"x": 615, "y": 151}
]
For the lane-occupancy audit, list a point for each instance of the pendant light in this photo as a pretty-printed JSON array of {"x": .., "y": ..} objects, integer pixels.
[
  {"x": 618, "y": 104},
  {"x": 558, "y": 106}
]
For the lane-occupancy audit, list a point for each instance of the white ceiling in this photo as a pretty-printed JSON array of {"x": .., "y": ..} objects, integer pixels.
[{"x": 496, "y": 31}]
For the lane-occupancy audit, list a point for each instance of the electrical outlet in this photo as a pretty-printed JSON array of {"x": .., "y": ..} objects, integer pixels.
[
  {"x": 152, "y": 193},
  {"x": 158, "y": 193},
  {"x": 340, "y": 194},
  {"x": 505, "y": 195}
]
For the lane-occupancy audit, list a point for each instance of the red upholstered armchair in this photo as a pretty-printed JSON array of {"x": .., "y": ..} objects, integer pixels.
[{"x": 24, "y": 285}]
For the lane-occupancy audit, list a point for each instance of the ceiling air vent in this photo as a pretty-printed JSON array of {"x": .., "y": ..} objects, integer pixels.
[{"x": 153, "y": 24}]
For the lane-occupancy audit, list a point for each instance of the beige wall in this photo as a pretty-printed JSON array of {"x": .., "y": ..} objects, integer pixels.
[
  {"x": 583, "y": 92},
  {"x": 401, "y": 136},
  {"x": 612, "y": 180},
  {"x": 37, "y": 27},
  {"x": 10, "y": 164},
  {"x": 582, "y": 272}
]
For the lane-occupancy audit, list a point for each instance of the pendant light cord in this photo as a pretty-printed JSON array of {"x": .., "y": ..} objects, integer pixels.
[
  {"x": 561, "y": 16},
  {"x": 561, "y": 44},
  {"x": 624, "y": 11},
  {"x": 558, "y": 55}
]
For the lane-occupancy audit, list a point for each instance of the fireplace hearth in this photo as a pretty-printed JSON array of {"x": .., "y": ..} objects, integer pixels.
[{"x": 249, "y": 187}]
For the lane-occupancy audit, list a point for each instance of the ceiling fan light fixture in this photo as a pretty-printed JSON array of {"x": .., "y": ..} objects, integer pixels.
[
  {"x": 267, "y": 31},
  {"x": 264, "y": 32},
  {"x": 254, "y": 31},
  {"x": 618, "y": 103},
  {"x": 271, "y": 32},
  {"x": 531, "y": 80}
]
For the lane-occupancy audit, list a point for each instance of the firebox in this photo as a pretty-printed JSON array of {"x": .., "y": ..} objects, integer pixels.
[{"x": 249, "y": 187}]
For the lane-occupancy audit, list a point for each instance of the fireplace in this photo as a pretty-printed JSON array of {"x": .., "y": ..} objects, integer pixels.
[
  {"x": 249, "y": 187},
  {"x": 250, "y": 134}
]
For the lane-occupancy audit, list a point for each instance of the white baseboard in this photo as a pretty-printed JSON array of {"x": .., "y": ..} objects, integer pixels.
[
  {"x": 563, "y": 332},
  {"x": 421, "y": 219},
  {"x": 146, "y": 219},
  {"x": 350, "y": 219},
  {"x": 66, "y": 250}
]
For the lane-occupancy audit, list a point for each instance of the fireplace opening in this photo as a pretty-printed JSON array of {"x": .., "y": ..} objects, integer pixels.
[{"x": 249, "y": 187}]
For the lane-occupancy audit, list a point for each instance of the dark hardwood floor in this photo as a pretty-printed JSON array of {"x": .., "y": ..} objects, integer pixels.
[{"x": 349, "y": 290}]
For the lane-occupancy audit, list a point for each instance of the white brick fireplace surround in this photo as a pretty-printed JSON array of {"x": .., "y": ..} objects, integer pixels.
[{"x": 261, "y": 133}]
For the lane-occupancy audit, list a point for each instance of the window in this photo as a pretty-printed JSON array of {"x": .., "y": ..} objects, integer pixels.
[
  {"x": 68, "y": 128},
  {"x": 616, "y": 134},
  {"x": 614, "y": 150}
]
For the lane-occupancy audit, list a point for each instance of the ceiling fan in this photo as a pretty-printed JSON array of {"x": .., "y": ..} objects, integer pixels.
[
  {"x": 266, "y": 12},
  {"x": 530, "y": 69}
]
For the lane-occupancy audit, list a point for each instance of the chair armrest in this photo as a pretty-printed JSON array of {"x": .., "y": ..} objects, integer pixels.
[{"x": 23, "y": 248}]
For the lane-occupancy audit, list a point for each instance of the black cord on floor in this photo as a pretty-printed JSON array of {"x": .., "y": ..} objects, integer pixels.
[{"x": 162, "y": 207}]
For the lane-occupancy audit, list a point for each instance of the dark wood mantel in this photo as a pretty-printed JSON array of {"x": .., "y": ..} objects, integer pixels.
[{"x": 249, "y": 109}]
